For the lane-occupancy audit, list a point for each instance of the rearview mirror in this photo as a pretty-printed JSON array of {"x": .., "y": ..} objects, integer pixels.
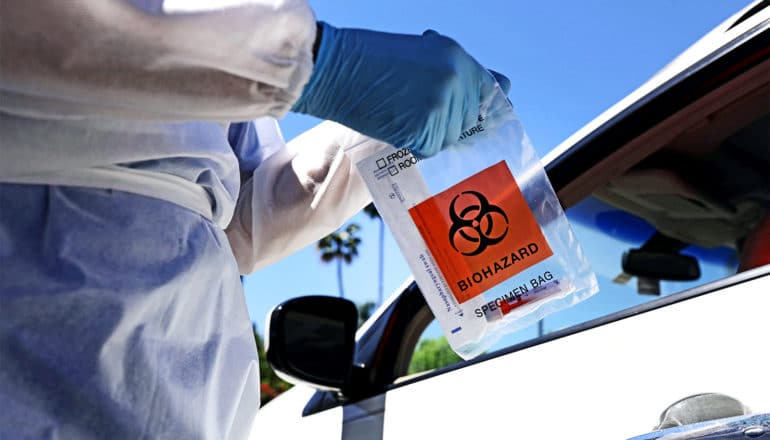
[
  {"x": 311, "y": 340},
  {"x": 660, "y": 265}
]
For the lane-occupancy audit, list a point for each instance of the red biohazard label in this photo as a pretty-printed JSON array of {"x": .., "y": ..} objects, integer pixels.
[{"x": 480, "y": 231}]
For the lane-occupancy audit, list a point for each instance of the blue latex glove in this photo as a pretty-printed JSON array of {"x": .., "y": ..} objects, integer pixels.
[{"x": 414, "y": 91}]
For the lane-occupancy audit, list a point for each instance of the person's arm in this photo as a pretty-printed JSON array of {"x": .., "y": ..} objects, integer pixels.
[
  {"x": 299, "y": 194},
  {"x": 154, "y": 59}
]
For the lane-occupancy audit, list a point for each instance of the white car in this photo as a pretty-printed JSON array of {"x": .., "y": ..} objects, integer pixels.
[{"x": 680, "y": 165}]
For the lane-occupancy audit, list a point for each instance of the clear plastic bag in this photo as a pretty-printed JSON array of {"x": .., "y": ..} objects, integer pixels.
[{"x": 482, "y": 230}]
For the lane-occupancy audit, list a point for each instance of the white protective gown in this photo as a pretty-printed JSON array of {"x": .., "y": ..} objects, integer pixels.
[{"x": 122, "y": 314}]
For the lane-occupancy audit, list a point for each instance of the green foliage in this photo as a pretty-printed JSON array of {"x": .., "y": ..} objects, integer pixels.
[
  {"x": 365, "y": 311},
  {"x": 341, "y": 244},
  {"x": 270, "y": 385},
  {"x": 432, "y": 354}
]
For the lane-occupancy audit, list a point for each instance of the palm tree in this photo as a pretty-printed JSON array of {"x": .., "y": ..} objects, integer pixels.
[
  {"x": 341, "y": 246},
  {"x": 372, "y": 212}
]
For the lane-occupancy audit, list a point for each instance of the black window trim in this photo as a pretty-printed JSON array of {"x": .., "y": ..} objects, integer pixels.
[{"x": 715, "y": 70}]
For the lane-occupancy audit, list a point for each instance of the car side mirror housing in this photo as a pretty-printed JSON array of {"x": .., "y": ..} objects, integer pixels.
[{"x": 311, "y": 340}]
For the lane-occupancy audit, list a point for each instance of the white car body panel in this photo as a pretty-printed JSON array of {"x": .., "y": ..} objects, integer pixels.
[
  {"x": 609, "y": 382},
  {"x": 282, "y": 418}
]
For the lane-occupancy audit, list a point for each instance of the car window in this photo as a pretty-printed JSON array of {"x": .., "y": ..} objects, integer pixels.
[{"x": 605, "y": 233}]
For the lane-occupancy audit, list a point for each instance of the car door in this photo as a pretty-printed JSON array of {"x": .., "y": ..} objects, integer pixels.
[{"x": 608, "y": 378}]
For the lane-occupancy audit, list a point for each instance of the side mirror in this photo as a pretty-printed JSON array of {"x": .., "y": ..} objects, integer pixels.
[
  {"x": 660, "y": 265},
  {"x": 311, "y": 340}
]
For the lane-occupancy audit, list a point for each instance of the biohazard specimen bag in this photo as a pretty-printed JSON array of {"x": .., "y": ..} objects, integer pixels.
[{"x": 482, "y": 230}]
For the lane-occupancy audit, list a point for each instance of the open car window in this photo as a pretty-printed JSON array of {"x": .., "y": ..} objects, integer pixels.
[{"x": 605, "y": 233}]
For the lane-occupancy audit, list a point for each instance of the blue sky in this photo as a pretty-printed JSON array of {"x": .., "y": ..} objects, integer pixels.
[{"x": 567, "y": 61}]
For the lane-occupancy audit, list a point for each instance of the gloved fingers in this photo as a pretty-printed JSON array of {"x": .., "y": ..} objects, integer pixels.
[
  {"x": 478, "y": 105},
  {"x": 501, "y": 79},
  {"x": 410, "y": 91},
  {"x": 473, "y": 112},
  {"x": 472, "y": 117},
  {"x": 435, "y": 128},
  {"x": 460, "y": 114}
]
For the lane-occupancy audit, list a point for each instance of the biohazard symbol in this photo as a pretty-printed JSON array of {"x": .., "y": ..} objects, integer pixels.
[{"x": 474, "y": 224}]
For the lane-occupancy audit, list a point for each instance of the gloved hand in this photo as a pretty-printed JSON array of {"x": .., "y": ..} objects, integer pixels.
[{"x": 414, "y": 91}]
